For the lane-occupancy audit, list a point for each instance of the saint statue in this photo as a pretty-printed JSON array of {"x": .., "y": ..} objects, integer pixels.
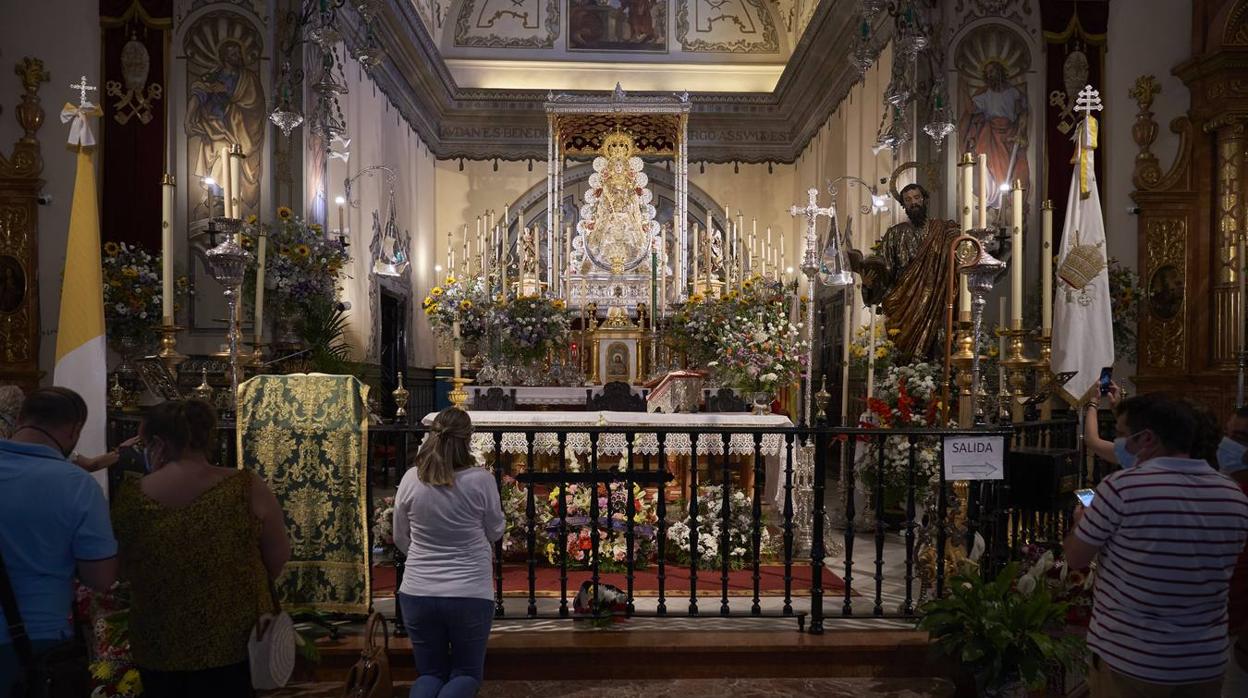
[
  {"x": 905, "y": 274},
  {"x": 528, "y": 252},
  {"x": 617, "y": 220}
]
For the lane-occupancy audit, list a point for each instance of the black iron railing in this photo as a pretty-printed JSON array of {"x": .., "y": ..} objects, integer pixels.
[{"x": 912, "y": 545}]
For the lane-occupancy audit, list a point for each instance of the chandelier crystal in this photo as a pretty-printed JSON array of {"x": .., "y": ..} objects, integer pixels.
[{"x": 940, "y": 121}]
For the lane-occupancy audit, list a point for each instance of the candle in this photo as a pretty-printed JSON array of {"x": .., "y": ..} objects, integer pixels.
[
  {"x": 1003, "y": 321},
  {"x": 1016, "y": 267},
  {"x": 983, "y": 190},
  {"x": 227, "y": 197},
  {"x": 342, "y": 226},
  {"x": 968, "y": 189},
  {"x": 771, "y": 252},
  {"x": 782, "y": 259},
  {"x": 450, "y": 254},
  {"x": 166, "y": 249},
  {"x": 694, "y": 257},
  {"x": 1046, "y": 268},
  {"x": 871, "y": 355},
  {"x": 455, "y": 331},
  {"x": 260, "y": 247},
  {"x": 236, "y": 181}
]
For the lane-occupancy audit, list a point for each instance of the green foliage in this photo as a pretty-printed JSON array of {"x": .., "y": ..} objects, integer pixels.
[
  {"x": 999, "y": 633},
  {"x": 323, "y": 327}
]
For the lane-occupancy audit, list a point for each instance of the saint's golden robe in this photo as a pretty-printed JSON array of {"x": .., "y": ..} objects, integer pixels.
[{"x": 912, "y": 277}]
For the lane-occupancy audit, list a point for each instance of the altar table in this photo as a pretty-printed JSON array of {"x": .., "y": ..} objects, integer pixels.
[{"x": 772, "y": 447}]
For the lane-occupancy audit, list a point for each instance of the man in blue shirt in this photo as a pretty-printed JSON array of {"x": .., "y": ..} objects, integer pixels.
[{"x": 54, "y": 523}]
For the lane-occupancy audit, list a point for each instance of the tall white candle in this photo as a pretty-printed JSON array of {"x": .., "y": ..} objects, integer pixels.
[
  {"x": 1046, "y": 268},
  {"x": 1016, "y": 266},
  {"x": 260, "y": 249},
  {"x": 236, "y": 181},
  {"x": 693, "y": 259},
  {"x": 450, "y": 254},
  {"x": 166, "y": 249},
  {"x": 983, "y": 190},
  {"x": 968, "y": 189},
  {"x": 227, "y": 192},
  {"x": 871, "y": 355}
]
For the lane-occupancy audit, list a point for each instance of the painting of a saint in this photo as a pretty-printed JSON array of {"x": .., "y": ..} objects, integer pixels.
[
  {"x": 617, "y": 25},
  {"x": 225, "y": 105},
  {"x": 12, "y": 284},
  {"x": 992, "y": 62}
]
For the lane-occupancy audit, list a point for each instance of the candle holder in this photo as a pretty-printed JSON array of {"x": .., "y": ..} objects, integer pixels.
[
  {"x": 822, "y": 398},
  {"x": 1017, "y": 364},
  {"x": 1043, "y": 368},
  {"x": 204, "y": 390},
  {"x": 400, "y": 395},
  {"x": 459, "y": 396},
  {"x": 168, "y": 353},
  {"x": 117, "y": 394},
  {"x": 227, "y": 263},
  {"x": 963, "y": 361},
  {"x": 257, "y": 354}
]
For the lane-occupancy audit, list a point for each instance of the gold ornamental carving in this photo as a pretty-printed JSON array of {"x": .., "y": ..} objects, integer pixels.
[
  {"x": 26, "y": 160},
  {"x": 1165, "y": 288},
  {"x": 1147, "y": 171}
]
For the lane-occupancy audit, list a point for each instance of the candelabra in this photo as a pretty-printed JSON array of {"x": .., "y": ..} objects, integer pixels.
[
  {"x": 169, "y": 354},
  {"x": 981, "y": 273},
  {"x": 1044, "y": 373},
  {"x": 963, "y": 360},
  {"x": 1017, "y": 364},
  {"x": 400, "y": 395},
  {"x": 227, "y": 263}
]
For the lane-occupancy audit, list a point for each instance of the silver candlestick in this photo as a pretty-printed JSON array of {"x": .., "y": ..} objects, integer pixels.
[
  {"x": 227, "y": 262},
  {"x": 981, "y": 273}
]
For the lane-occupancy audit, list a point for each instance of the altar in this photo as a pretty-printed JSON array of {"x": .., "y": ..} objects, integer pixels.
[{"x": 612, "y": 447}]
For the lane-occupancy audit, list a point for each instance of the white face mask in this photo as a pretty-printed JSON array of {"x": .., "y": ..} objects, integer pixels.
[{"x": 1231, "y": 455}]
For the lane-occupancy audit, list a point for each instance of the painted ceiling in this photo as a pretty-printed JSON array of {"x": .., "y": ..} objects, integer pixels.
[{"x": 703, "y": 45}]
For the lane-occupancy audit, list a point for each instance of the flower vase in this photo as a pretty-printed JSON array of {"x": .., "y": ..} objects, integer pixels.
[
  {"x": 761, "y": 404},
  {"x": 285, "y": 331}
]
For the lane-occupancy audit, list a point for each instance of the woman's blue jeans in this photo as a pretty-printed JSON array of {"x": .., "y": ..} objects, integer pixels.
[{"x": 448, "y": 637}]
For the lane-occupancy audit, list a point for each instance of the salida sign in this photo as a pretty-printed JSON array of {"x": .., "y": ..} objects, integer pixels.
[{"x": 974, "y": 457}]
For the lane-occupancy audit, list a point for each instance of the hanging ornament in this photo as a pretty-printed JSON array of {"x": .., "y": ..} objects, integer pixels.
[
  {"x": 898, "y": 91},
  {"x": 940, "y": 122},
  {"x": 863, "y": 55}
]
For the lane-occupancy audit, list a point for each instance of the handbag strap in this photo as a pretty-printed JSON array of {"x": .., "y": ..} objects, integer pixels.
[
  {"x": 370, "y": 631},
  {"x": 13, "y": 618}
]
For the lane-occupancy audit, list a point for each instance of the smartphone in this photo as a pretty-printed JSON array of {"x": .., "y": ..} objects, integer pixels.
[
  {"x": 1085, "y": 496},
  {"x": 1107, "y": 376}
]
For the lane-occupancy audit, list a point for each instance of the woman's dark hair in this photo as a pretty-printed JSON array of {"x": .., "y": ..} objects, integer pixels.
[
  {"x": 446, "y": 448},
  {"x": 1172, "y": 420},
  {"x": 184, "y": 425}
]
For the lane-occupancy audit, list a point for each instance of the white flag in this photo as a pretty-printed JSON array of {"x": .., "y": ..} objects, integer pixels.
[{"x": 1083, "y": 331}]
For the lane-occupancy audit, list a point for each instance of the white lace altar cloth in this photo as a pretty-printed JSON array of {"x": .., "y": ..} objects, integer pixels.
[{"x": 644, "y": 444}]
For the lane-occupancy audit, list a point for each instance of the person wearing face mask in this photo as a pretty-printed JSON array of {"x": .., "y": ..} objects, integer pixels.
[
  {"x": 1166, "y": 532},
  {"x": 199, "y": 545},
  {"x": 1233, "y": 462},
  {"x": 54, "y": 526}
]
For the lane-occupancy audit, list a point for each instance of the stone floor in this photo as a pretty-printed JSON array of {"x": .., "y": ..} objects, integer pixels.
[{"x": 676, "y": 688}]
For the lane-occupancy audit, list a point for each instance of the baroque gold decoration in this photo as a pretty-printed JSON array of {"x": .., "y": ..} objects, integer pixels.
[
  {"x": 1147, "y": 171},
  {"x": 1164, "y": 338},
  {"x": 307, "y": 436}
]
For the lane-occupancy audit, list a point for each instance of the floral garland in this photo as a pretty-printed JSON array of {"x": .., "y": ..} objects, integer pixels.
[
  {"x": 466, "y": 301},
  {"x": 530, "y": 326},
  {"x": 514, "y": 501},
  {"x": 383, "y": 526},
  {"x": 612, "y": 526},
  {"x": 132, "y": 292},
  {"x": 301, "y": 265},
  {"x": 908, "y": 397},
  {"x": 1124, "y": 300},
  {"x": 710, "y": 530},
  {"x": 112, "y": 668}
]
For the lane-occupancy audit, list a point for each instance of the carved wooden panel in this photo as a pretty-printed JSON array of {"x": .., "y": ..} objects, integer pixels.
[
  {"x": 1163, "y": 334},
  {"x": 20, "y": 186}
]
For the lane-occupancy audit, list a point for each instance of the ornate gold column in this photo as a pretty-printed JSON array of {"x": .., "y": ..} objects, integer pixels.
[{"x": 1228, "y": 229}]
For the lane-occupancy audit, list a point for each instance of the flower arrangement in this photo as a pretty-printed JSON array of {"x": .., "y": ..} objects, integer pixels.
[
  {"x": 1047, "y": 570},
  {"x": 132, "y": 292},
  {"x": 612, "y": 526},
  {"x": 112, "y": 669},
  {"x": 383, "y": 527},
  {"x": 301, "y": 264},
  {"x": 711, "y": 528},
  {"x": 466, "y": 301},
  {"x": 907, "y": 397},
  {"x": 513, "y": 496},
  {"x": 530, "y": 326},
  {"x": 1124, "y": 299},
  {"x": 885, "y": 350}
]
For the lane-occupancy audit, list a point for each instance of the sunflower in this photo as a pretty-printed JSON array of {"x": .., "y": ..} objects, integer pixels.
[
  {"x": 559, "y": 304},
  {"x": 893, "y": 332},
  {"x": 696, "y": 298},
  {"x": 283, "y": 250},
  {"x": 130, "y": 683},
  {"x": 435, "y": 291},
  {"x": 316, "y": 227},
  {"x": 130, "y": 273},
  {"x": 111, "y": 249},
  {"x": 465, "y": 305},
  {"x": 450, "y": 281},
  {"x": 251, "y": 220},
  {"x": 248, "y": 243},
  {"x": 427, "y": 302},
  {"x": 747, "y": 284},
  {"x": 433, "y": 308},
  {"x": 284, "y": 213},
  {"x": 302, "y": 250}
]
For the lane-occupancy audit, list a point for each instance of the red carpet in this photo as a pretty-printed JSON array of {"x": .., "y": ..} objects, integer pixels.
[{"x": 646, "y": 581}]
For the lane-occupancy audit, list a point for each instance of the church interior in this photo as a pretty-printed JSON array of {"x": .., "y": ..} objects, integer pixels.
[{"x": 800, "y": 340}]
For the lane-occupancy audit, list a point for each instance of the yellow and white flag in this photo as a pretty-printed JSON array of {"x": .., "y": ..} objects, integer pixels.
[
  {"x": 1083, "y": 325},
  {"x": 80, "y": 347}
]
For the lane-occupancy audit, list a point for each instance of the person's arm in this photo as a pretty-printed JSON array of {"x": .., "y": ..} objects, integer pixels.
[
  {"x": 93, "y": 545},
  {"x": 493, "y": 521},
  {"x": 274, "y": 543},
  {"x": 1091, "y": 426},
  {"x": 1092, "y": 527},
  {"x": 401, "y": 521}
]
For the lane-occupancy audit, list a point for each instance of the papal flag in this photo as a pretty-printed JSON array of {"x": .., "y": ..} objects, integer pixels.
[
  {"x": 80, "y": 347},
  {"x": 1083, "y": 331}
]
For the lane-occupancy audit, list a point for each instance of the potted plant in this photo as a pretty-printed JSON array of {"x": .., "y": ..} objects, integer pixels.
[{"x": 1008, "y": 639}]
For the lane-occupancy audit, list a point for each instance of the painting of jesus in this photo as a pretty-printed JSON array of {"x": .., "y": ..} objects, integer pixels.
[{"x": 617, "y": 25}]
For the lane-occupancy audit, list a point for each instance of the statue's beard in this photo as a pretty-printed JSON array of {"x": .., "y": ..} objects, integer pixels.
[{"x": 917, "y": 215}]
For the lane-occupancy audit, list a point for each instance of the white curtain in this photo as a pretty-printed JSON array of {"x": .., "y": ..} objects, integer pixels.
[{"x": 380, "y": 137}]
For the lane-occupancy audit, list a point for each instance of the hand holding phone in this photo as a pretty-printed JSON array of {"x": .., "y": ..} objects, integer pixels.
[
  {"x": 1107, "y": 377},
  {"x": 1085, "y": 496}
]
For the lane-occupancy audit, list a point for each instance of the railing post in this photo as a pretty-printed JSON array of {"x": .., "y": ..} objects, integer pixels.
[
  {"x": 816, "y": 537},
  {"x": 662, "y": 536},
  {"x": 725, "y": 520},
  {"x": 756, "y": 520},
  {"x": 530, "y": 510},
  {"x": 562, "y": 437},
  {"x": 788, "y": 523},
  {"x": 907, "y": 607},
  {"x": 847, "y": 608},
  {"x": 629, "y": 513},
  {"x": 498, "y": 547},
  {"x": 878, "y": 608},
  {"x": 693, "y": 523}
]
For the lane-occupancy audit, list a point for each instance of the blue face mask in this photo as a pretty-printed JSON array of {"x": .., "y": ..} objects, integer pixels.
[
  {"x": 1231, "y": 455},
  {"x": 147, "y": 461},
  {"x": 1125, "y": 458}
]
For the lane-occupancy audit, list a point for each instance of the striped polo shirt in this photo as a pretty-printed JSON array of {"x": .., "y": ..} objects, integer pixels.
[{"x": 1169, "y": 532}]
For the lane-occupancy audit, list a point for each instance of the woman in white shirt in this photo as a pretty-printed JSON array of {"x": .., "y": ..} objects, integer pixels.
[{"x": 447, "y": 517}]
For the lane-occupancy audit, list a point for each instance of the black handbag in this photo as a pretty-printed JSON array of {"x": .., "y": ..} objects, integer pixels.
[{"x": 57, "y": 672}]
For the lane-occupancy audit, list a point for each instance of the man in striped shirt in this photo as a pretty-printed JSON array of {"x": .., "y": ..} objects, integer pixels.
[{"x": 1166, "y": 531}]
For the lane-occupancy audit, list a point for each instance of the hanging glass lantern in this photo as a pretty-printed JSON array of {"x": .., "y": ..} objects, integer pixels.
[
  {"x": 284, "y": 115},
  {"x": 871, "y": 8},
  {"x": 896, "y": 135},
  {"x": 898, "y": 91},
  {"x": 940, "y": 122},
  {"x": 863, "y": 55},
  {"x": 912, "y": 38}
]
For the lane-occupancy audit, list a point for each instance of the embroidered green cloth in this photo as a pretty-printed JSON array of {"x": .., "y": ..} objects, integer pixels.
[{"x": 307, "y": 436}]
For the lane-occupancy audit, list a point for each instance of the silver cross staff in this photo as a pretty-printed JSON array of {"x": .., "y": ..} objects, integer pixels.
[
  {"x": 1089, "y": 100},
  {"x": 812, "y": 211},
  {"x": 83, "y": 88}
]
